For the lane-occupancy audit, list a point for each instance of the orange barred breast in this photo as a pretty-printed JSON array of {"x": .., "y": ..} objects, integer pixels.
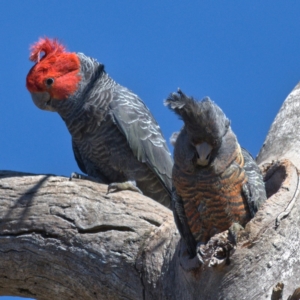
[{"x": 213, "y": 202}]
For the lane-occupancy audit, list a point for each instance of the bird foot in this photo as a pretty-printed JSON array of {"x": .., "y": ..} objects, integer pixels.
[
  {"x": 234, "y": 232},
  {"x": 123, "y": 186},
  {"x": 218, "y": 250},
  {"x": 222, "y": 245},
  {"x": 215, "y": 253},
  {"x": 76, "y": 175}
]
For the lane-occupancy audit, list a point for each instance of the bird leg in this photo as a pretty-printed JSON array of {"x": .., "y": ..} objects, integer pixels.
[{"x": 122, "y": 186}]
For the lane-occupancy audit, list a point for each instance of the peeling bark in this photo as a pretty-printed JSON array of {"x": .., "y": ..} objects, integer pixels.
[{"x": 68, "y": 239}]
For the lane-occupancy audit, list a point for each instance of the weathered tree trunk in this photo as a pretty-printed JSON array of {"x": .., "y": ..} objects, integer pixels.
[{"x": 62, "y": 239}]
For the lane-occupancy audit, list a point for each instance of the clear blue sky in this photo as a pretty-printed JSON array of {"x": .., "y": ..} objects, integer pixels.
[{"x": 245, "y": 55}]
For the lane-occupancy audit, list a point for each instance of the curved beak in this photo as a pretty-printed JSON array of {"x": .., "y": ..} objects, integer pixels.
[
  {"x": 204, "y": 151},
  {"x": 42, "y": 100}
]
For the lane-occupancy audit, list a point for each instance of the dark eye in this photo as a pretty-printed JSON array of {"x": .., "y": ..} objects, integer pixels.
[{"x": 49, "y": 81}]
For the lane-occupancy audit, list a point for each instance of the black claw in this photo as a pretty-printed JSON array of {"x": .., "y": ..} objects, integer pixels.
[
  {"x": 200, "y": 253},
  {"x": 200, "y": 258}
]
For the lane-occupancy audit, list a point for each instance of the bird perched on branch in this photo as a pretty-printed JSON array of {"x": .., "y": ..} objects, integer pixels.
[
  {"x": 115, "y": 138},
  {"x": 216, "y": 182}
]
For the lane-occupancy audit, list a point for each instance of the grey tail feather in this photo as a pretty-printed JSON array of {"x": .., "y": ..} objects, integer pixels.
[
  {"x": 176, "y": 100},
  {"x": 182, "y": 105}
]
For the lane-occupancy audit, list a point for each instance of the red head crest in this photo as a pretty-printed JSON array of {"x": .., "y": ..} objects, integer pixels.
[
  {"x": 56, "y": 72},
  {"x": 47, "y": 46}
]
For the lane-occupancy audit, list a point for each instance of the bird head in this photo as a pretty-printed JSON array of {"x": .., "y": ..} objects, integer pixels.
[
  {"x": 55, "y": 75},
  {"x": 204, "y": 122}
]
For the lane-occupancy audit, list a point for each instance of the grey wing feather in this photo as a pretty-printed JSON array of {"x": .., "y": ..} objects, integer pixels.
[
  {"x": 255, "y": 185},
  {"x": 182, "y": 224},
  {"x": 142, "y": 133}
]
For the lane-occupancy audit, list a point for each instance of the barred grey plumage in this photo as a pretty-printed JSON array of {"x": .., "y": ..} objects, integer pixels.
[
  {"x": 115, "y": 138},
  {"x": 216, "y": 182}
]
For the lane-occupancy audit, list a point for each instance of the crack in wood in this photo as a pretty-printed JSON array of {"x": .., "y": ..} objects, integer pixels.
[
  {"x": 104, "y": 228},
  {"x": 96, "y": 228},
  {"x": 64, "y": 217},
  {"x": 42, "y": 233},
  {"x": 26, "y": 292},
  {"x": 151, "y": 221},
  {"x": 291, "y": 204}
]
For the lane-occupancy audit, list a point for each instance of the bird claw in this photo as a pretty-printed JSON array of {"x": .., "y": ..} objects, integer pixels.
[
  {"x": 200, "y": 252},
  {"x": 84, "y": 177},
  {"x": 234, "y": 231},
  {"x": 123, "y": 186},
  {"x": 200, "y": 259},
  {"x": 77, "y": 176}
]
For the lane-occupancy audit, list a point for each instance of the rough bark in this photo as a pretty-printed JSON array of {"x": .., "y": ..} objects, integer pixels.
[{"x": 69, "y": 240}]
